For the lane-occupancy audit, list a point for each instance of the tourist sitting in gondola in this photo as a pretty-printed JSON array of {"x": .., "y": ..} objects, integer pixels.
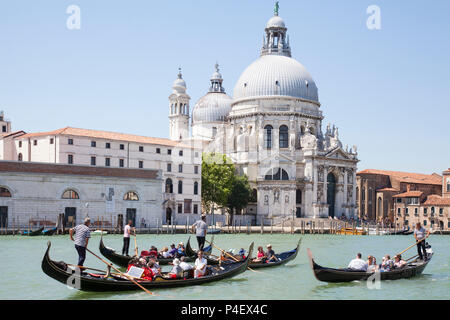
[
  {"x": 165, "y": 253},
  {"x": 387, "y": 264},
  {"x": 271, "y": 257},
  {"x": 181, "y": 250},
  {"x": 241, "y": 253},
  {"x": 200, "y": 265},
  {"x": 260, "y": 256},
  {"x": 399, "y": 262},
  {"x": 154, "y": 267},
  {"x": 184, "y": 265},
  {"x": 177, "y": 271},
  {"x": 141, "y": 263},
  {"x": 371, "y": 264},
  {"x": 358, "y": 264},
  {"x": 153, "y": 252},
  {"x": 173, "y": 250}
]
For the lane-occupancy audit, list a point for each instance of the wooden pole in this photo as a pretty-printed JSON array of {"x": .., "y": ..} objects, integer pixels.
[{"x": 122, "y": 274}]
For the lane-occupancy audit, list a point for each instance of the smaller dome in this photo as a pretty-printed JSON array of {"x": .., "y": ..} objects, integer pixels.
[
  {"x": 212, "y": 107},
  {"x": 179, "y": 85},
  {"x": 276, "y": 22}
]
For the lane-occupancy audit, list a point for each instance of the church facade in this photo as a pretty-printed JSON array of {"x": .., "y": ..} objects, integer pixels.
[{"x": 272, "y": 130}]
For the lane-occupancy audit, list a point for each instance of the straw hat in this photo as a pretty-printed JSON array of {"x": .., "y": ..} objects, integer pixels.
[
  {"x": 176, "y": 262},
  {"x": 181, "y": 243},
  {"x": 269, "y": 246}
]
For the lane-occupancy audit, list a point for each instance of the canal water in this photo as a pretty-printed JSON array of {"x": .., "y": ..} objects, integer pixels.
[{"x": 21, "y": 276}]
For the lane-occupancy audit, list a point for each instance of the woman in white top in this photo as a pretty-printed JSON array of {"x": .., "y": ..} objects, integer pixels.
[
  {"x": 371, "y": 264},
  {"x": 200, "y": 265}
]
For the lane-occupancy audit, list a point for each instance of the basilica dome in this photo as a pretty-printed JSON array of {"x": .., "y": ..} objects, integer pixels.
[
  {"x": 275, "y": 73},
  {"x": 215, "y": 105}
]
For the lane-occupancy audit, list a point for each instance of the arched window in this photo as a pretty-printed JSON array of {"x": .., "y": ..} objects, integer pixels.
[
  {"x": 169, "y": 185},
  {"x": 131, "y": 196},
  {"x": 195, "y": 187},
  {"x": 19, "y": 158},
  {"x": 5, "y": 193},
  {"x": 70, "y": 194},
  {"x": 268, "y": 136},
  {"x": 284, "y": 137},
  {"x": 276, "y": 174},
  {"x": 180, "y": 186}
]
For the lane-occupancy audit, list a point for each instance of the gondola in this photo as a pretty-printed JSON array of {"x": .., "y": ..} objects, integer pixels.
[
  {"x": 49, "y": 232},
  {"x": 85, "y": 281},
  {"x": 37, "y": 232},
  {"x": 193, "y": 253},
  {"x": 283, "y": 258},
  {"x": 123, "y": 260},
  {"x": 411, "y": 269}
]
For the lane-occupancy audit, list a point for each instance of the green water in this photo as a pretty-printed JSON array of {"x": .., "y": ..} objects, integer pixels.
[{"x": 21, "y": 276}]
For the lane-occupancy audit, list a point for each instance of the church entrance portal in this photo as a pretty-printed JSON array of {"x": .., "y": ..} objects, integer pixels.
[{"x": 331, "y": 193}]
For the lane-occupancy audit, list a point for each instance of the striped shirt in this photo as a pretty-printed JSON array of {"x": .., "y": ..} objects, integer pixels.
[{"x": 82, "y": 232}]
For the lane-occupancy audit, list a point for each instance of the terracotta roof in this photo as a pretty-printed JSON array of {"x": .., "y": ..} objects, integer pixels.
[
  {"x": 107, "y": 135},
  {"x": 407, "y": 176},
  {"x": 437, "y": 200},
  {"x": 388, "y": 189},
  {"x": 37, "y": 167},
  {"x": 408, "y": 194}
]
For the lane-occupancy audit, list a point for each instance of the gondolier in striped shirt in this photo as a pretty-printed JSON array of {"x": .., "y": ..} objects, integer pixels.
[{"x": 82, "y": 235}]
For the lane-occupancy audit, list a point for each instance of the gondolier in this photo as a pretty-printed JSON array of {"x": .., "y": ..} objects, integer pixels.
[
  {"x": 421, "y": 234},
  {"x": 126, "y": 236},
  {"x": 82, "y": 235},
  {"x": 200, "y": 227}
]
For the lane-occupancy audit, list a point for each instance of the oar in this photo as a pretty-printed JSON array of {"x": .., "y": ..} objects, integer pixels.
[
  {"x": 135, "y": 244},
  {"x": 223, "y": 251},
  {"x": 122, "y": 274},
  {"x": 410, "y": 246}
]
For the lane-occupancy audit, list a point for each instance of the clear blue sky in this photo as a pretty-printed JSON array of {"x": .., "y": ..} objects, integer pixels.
[{"x": 387, "y": 90}]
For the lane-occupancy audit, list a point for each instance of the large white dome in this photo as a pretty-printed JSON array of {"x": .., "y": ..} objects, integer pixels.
[
  {"x": 212, "y": 107},
  {"x": 276, "y": 75}
]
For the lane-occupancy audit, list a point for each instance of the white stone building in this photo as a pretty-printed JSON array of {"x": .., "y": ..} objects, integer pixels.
[
  {"x": 37, "y": 194},
  {"x": 272, "y": 131}
]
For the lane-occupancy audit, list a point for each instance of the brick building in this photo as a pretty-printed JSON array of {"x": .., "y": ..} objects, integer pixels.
[
  {"x": 376, "y": 189},
  {"x": 431, "y": 210}
]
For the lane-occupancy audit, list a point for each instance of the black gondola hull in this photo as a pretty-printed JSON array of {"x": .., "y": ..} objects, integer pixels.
[
  {"x": 344, "y": 275},
  {"x": 86, "y": 282}
]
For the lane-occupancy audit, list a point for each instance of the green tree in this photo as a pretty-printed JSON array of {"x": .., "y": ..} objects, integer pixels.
[
  {"x": 217, "y": 179},
  {"x": 239, "y": 196}
]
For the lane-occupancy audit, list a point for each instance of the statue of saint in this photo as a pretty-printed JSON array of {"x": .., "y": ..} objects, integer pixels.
[{"x": 277, "y": 6}]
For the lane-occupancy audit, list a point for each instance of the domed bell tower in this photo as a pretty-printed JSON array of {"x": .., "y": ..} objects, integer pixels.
[
  {"x": 179, "y": 110},
  {"x": 275, "y": 41}
]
